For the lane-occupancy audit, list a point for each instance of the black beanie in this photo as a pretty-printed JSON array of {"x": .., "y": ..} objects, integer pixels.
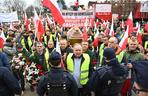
[{"x": 109, "y": 53}]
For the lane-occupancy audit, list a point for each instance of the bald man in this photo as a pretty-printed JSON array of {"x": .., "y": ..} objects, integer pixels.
[{"x": 79, "y": 65}]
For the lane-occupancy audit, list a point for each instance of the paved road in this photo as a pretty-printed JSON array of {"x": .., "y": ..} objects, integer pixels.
[{"x": 27, "y": 92}]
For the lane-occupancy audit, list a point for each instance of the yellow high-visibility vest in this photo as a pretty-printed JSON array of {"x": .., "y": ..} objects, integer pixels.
[{"x": 84, "y": 67}]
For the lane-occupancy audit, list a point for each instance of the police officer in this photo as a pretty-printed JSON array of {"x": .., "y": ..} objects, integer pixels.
[
  {"x": 108, "y": 80},
  {"x": 8, "y": 83},
  {"x": 57, "y": 79}
]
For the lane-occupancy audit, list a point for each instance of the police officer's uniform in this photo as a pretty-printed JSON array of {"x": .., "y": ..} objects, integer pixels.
[
  {"x": 56, "y": 74},
  {"x": 108, "y": 80}
]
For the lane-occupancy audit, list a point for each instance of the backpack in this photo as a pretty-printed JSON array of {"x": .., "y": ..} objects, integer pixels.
[
  {"x": 57, "y": 87},
  {"x": 113, "y": 85}
]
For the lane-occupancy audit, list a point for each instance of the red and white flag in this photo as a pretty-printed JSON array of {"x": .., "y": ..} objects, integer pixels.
[
  {"x": 85, "y": 35},
  {"x": 111, "y": 33},
  {"x": 49, "y": 20},
  {"x": 124, "y": 40},
  {"x": 139, "y": 35},
  {"x": 107, "y": 30},
  {"x": 58, "y": 45},
  {"x": 36, "y": 18},
  {"x": 96, "y": 35},
  {"x": 129, "y": 23},
  {"x": 2, "y": 35},
  {"x": 40, "y": 31},
  {"x": 55, "y": 10},
  {"x": 26, "y": 22},
  {"x": 122, "y": 24}
]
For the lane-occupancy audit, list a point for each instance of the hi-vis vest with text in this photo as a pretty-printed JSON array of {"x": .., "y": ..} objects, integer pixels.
[{"x": 84, "y": 67}]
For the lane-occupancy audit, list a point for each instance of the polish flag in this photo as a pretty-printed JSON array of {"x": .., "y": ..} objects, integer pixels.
[
  {"x": 96, "y": 35},
  {"x": 36, "y": 22},
  {"x": 36, "y": 18},
  {"x": 49, "y": 20},
  {"x": 139, "y": 35},
  {"x": 55, "y": 10},
  {"x": 122, "y": 24},
  {"x": 124, "y": 40},
  {"x": 2, "y": 35},
  {"x": 107, "y": 30},
  {"x": 40, "y": 31},
  {"x": 111, "y": 33},
  {"x": 26, "y": 22},
  {"x": 85, "y": 35},
  {"x": 58, "y": 45},
  {"x": 103, "y": 25},
  {"x": 129, "y": 23}
]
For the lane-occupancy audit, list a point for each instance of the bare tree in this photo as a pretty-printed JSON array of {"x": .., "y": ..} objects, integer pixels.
[{"x": 14, "y": 5}]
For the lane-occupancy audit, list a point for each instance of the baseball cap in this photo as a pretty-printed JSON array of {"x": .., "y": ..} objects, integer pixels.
[{"x": 109, "y": 53}]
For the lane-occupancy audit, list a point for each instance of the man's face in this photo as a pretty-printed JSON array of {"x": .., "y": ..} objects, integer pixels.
[
  {"x": 85, "y": 46},
  {"x": 63, "y": 44},
  {"x": 39, "y": 47},
  {"x": 133, "y": 38},
  {"x": 100, "y": 38},
  {"x": 111, "y": 44},
  {"x": 133, "y": 45},
  {"x": 77, "y": 50},
  {"x": 20, "y": 50},
  {"x": 105, "y": 40},
  {"x": 50, "y": 44},
  {"x": 47, "y": 33}
]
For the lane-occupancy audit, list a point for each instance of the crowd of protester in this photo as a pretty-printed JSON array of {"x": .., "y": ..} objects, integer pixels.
[{"x": 27, "y": 56}]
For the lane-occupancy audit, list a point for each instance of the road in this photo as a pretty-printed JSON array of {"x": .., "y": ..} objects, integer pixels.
[{"x": 27, "y": 92}]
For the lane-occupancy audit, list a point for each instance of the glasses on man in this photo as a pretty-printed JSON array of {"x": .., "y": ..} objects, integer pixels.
[{"x": 39, "y": 46}]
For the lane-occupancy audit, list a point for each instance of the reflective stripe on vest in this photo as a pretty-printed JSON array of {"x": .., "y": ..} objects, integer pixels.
[
  {"x": 145, "y": 45},
  {"x": 101, "y": 51},
  {"x": 45, "y": 40},
  {"x": 84, "y": 67},
  {"x": 46, "y": 58},
  {"x": 29, "y": 42},
  {"x": 53, "y": 36},
  {"x": 120, "y": 56}
]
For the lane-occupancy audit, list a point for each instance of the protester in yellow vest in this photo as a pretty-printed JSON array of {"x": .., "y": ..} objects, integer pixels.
[{"x": 78, "y": 64}]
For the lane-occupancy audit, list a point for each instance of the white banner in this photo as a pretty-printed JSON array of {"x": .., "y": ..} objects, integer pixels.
[
  {"x": 8, "y": 17},
  {"x": 103, "y": 7},
  {"x": 78, "y": 18},
  {"x": 144, "y": 7}
]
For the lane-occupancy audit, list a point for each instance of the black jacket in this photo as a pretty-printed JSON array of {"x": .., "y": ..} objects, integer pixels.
[
  {"x": 108, "y": 80},
  {"x": 57, "y": 72},
  {"x": 8, "y": 84}
]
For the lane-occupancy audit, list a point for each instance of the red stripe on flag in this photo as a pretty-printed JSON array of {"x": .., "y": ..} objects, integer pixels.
[{"x": 54, "y": 10}]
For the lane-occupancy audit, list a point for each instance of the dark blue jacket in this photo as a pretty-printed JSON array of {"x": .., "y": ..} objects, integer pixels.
[
  {"x": 42, "y": 85},
  {"x": 102, "y": 82},
  {"x": 4, "y": 60},
  {"x": 141, "y": 70},
  {"x": 8, "y": 84}
]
